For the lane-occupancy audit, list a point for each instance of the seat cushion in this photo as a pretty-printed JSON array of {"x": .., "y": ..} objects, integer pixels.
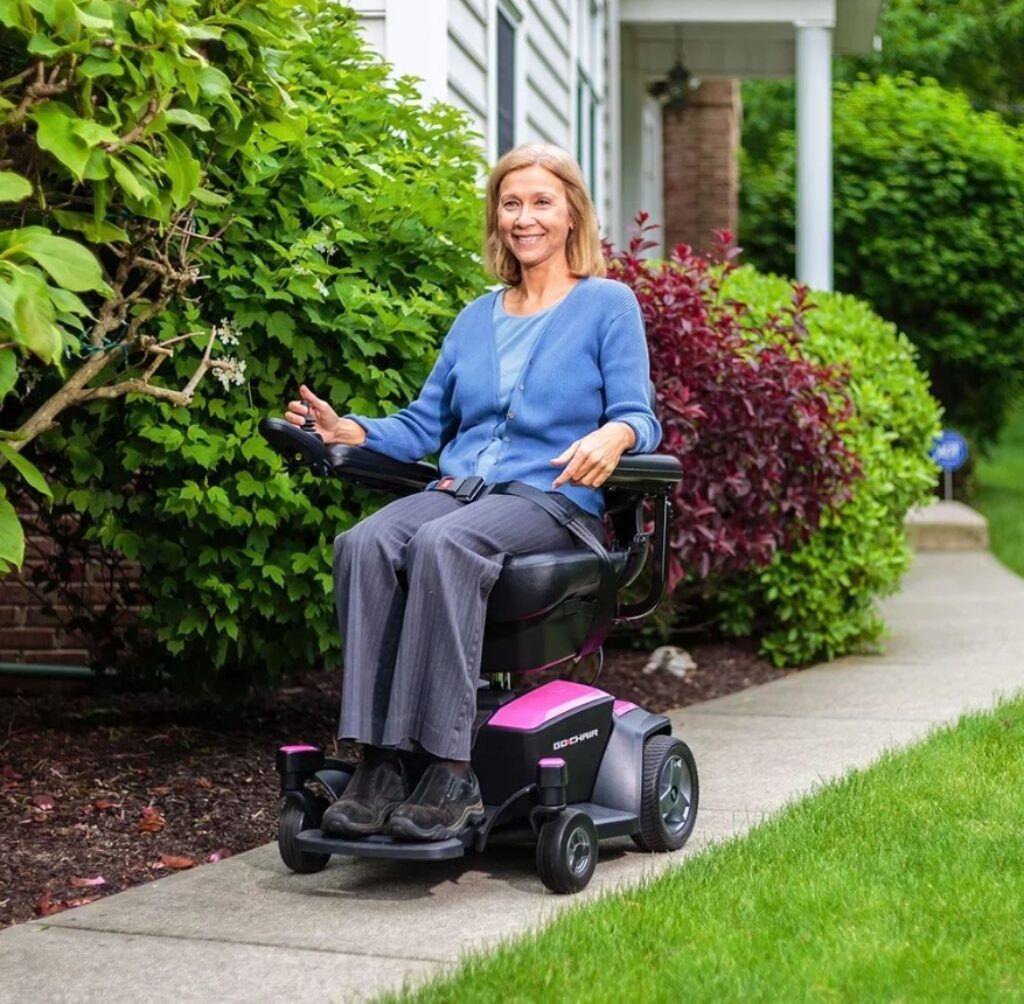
[{"x": 532, "y": 584}]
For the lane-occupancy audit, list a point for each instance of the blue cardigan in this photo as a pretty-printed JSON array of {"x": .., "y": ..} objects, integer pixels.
[{"x": 588, "y": 367}]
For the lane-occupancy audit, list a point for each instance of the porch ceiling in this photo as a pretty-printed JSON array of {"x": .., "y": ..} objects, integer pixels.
[
  {"x": 710, "y": 50},
  {"x": 736, "y": 38}
]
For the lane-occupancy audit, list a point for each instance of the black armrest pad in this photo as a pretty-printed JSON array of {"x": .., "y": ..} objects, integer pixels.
[
  {"x": 350, "y": 463},
  {"x": 645, "y": 471},
  {"x": 375, "y": 470},
  {"x": 291, "y": 442}
]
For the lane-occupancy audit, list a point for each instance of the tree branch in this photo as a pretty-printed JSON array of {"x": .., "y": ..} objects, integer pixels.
[
  {"x": 76, "y": 391},
  {"x": 44, "y": 416},
  {"x": 40, "y": 89},
  {"x": 137, "y": 130},
  {"x": 148, "y": 269},
  {"x": 141, "y": 385}
]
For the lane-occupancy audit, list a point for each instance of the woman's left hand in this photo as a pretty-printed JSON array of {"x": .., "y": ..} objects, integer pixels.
[{"x": 590, "y": 461}]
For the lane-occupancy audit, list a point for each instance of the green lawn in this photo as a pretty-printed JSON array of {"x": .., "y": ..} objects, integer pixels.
[
  {"x": 903, "y": 882},
  {"x": 1000, "y": 494}
]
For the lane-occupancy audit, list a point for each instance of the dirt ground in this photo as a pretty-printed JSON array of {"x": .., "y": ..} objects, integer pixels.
[{"x": 102, "y": 792}]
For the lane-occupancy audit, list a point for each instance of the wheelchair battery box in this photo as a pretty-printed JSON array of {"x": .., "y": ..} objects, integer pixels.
[{"x": 563, "y": 719}]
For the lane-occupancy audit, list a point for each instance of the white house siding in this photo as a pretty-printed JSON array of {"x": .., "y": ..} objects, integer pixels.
[
  {"x": 547, "y": 55},
  {"x": 550, "y": 75},
  {"x": 371, "y": 18},
  {"x": 468, "y": 82}
]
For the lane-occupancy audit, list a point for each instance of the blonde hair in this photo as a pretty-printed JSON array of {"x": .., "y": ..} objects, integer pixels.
[{"x": 583, "y": 247}]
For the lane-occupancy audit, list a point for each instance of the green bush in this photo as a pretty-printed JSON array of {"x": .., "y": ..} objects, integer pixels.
[
  {"x": 818, "y": 600},
  {"x": 347, "y": 239},
  {"x": 973, "y": 46},
  {"x": 929, "y": 229}
]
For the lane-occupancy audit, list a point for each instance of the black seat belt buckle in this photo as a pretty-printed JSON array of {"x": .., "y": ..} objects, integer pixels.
[{"x": 469, "y": 488}]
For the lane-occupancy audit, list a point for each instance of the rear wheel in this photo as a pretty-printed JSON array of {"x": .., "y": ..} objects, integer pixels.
[
  {"x": 669, "y": 794},
  {"x": 567, "y": 852},
  {"x": 294, "y": 819}
]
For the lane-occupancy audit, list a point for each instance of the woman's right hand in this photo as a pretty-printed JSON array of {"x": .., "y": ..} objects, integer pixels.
[{"x": 326, "y": 422}]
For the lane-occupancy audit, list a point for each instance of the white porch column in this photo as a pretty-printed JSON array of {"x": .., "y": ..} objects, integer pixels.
[
  {"x": 612, "y": 146},
  {"x": 814, "y": 154}
]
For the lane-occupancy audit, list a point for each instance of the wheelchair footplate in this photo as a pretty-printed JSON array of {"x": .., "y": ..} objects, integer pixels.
[{"x": 380, "y": 846}]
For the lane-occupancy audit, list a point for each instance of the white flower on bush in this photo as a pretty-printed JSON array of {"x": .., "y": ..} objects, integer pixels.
[
  {"x": 321, "y": 287},
  {"x": 226, "y": 332},
  {"x": 326, "y": 247},
  {"x": 230, "y": 372}
]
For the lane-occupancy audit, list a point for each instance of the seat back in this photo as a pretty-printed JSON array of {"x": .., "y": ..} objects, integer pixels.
[{"x": 542, "y": 608}]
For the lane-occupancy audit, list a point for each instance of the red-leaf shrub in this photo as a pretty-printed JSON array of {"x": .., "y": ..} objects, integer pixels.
[{"x": 756, "y": 425}]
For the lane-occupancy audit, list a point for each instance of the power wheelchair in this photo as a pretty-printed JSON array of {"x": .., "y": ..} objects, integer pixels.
[{"x": 563, "y": 764}]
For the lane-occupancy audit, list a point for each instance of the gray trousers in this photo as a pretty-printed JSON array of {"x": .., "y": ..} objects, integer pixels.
[{"x": 411, "y": 584}]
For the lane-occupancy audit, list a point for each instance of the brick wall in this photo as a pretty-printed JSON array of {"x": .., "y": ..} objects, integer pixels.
[
  {"x": 701, "y": 168},
  {"x": 33, "y": 614}
]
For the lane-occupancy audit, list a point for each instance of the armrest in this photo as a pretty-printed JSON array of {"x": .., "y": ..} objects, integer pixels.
[
  {"x": 637, "y": 478},
  {"x": 374, "y": 470},
  {"x": 350, "y": 463},
  {"x": 294, "y": 444},
  {"x": 645, "y": 472}
]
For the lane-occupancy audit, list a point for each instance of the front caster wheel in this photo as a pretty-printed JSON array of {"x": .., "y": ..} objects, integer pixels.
[
  {"x": 668, "y": 796},
  {"x": 567, "y": 852},
  {"x": 294, "y": 819}
]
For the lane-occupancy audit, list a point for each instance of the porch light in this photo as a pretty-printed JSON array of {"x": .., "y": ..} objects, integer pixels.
[
  {"x": 677, "y": 87},
  {"x": 673, "y": 91}
]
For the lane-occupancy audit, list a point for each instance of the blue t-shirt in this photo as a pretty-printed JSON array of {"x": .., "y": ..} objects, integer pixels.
[{"x": 514, "y": 338}]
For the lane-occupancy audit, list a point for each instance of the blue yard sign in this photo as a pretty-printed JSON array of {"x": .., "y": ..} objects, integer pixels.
[
  {"x": 950, "y": 450},
  {"x": 950, "y": 453}
]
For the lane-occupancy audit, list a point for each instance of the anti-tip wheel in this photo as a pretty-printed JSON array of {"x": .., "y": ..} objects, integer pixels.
[
  {"x": 668, "y": 796},
  {"x": 567, "y": 852},
  {"x": 293, "y": 821}
]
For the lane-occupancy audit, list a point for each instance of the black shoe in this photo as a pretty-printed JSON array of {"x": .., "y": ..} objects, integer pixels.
[
  {"x": 373, "y": 793},
  {"x": 442, "y": 806}
]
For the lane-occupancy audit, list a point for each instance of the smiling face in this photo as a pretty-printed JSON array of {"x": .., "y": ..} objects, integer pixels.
[{"x": 534, "y": 220}]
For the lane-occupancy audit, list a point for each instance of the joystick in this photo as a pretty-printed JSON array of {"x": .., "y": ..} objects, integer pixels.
[{"x": 309, "y": 423}]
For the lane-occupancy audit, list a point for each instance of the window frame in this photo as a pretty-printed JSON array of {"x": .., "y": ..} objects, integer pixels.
[
  {"x": 589, "y": 98},
  {"x": 514, "y": 16}
]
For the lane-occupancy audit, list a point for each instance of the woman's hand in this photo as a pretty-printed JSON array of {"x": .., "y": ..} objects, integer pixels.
[
  {"x": 590, "y": 461},
  {"x": 326, "y": 422}
]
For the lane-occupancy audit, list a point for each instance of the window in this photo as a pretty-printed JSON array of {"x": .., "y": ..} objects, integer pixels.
[{"x": 506, "y": 75}]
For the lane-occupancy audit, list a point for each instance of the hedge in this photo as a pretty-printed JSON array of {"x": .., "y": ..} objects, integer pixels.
[
  {"x": 347, "y": 238},
  {"x": 818, "y": 600}
]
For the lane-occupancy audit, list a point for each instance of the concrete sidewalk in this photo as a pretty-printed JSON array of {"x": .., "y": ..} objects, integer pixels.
[{"x": 247, "y": 930}]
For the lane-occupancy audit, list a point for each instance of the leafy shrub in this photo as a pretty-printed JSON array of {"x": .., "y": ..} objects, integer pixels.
[
  {"x": 341, "y": 241},
  {"x": 817, "y": 600},
  {"x": 756, "y": 425},
  {"x": 109, "y": 114},
  {"x": 929, "y": 229},
  {"x": 973, "y": 46}
]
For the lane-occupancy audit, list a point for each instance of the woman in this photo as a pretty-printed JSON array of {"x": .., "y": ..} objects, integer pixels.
[{"x": 544, "y": 382}]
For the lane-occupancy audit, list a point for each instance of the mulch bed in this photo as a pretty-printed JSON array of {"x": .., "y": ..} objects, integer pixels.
[{"x": 99, "y": 793}]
